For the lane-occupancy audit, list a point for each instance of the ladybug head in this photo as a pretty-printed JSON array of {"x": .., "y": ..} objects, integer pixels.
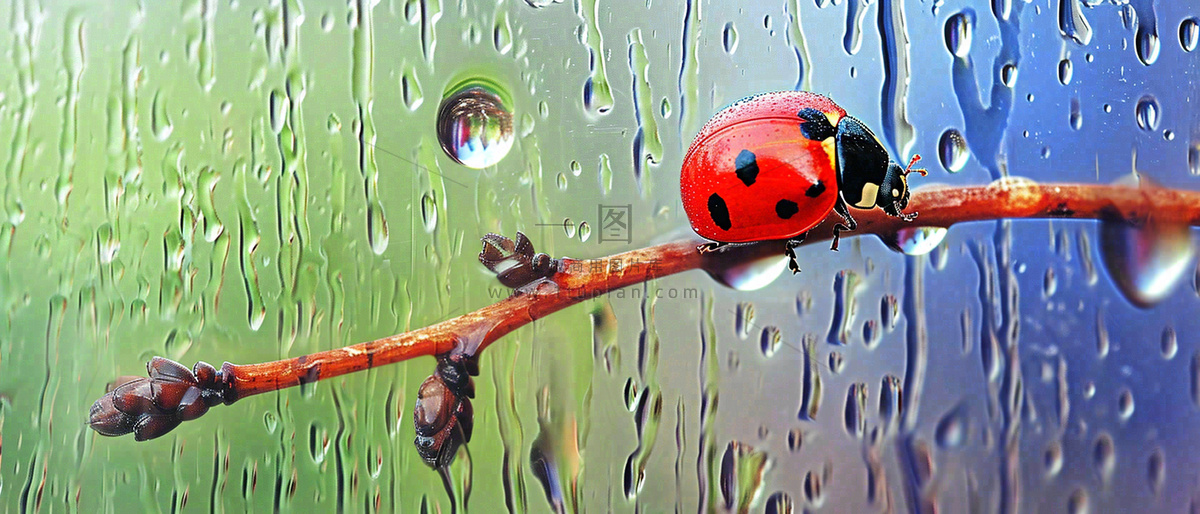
[{"x": 893, "y": 192}]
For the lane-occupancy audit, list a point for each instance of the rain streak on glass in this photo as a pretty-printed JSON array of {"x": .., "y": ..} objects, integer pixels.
[{"x": 474, "y": 124}]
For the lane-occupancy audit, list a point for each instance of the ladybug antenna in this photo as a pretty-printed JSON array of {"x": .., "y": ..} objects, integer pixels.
[{"x": 909, "y": 169}]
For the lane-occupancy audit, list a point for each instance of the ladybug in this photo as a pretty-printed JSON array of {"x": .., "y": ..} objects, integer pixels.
[{"x": 773, "y": 165}]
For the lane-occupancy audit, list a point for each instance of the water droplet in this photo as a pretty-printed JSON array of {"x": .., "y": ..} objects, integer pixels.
[
  {"x": 271, "y": 421},
  {"x": 1125, "y": 404},
  {"x": 742, "y": 469},
  {"x": 915, "y": 240},
  {"x": 561, "y": 181},
  {"x": 780, "y": 503},
  {"x": 576, "y": 169},
  {"x": 1145, "y": 262},
  {"x": 334, "y": 124},
  {"x": 1008, "y": 75},
  {"x": 1076, "y": 114},
  {"x": 1078, "y": 502},
  {"x": 854, "y": 418},
  {"x": 1168, "y": 135},
  {"x": 795, "y": 439},
  {"x": 952, "y": 150},
  {"x": 747, "y": 274},
  {"x": 1194, "y": 158},
  {"x": 665, "y": 108},
  {"x": 1065, "y": 71},
  {"x": 1071, "y": 23},
  {"x": 959, "y": 33},
  {"x": 1189, "y": 34},
  {"x": 1107, "y": 107},
  {"x": 952, "y": 429},
  {"x": 585, "y": 231},
  {"x": 1156, "y": 470},
  {"x": 1169, "y": 343},
  {"x": 604, "y": 173},
  {"x": 814, "y": 492},
  {"x": 160, "y": 120},
  {"x": 1053, "y": 459},
  {"x": 502, "y": 37},
  {"x": 410, "y": 89},
  {"x": 1104, "y": 456},
  {"x": 429, "y": 214},
  {"x": 744, "y": 319},
  {"x": 1147, "y": 45},
  {"x": 770, "y": 341},
  {"x": 474, "y": 125},
  {"x": 632, "y": 394},
  {"x": 318, "y": 442},
  {"x": 730, "y": 38},
  {"x": 1049, "y": 283},
  {"x": 107, "y": 243},
  {"x": 836, "y": 361},
  {"x": 568, "y": 227},
  {"x": 1147, "y": 113},
  {"x": 1128, "y": 16}
]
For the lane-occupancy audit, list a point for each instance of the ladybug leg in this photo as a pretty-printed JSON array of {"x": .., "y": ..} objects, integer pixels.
[
  {"x": 789, "y": 249},
  {"x": 848, "y": 222}
]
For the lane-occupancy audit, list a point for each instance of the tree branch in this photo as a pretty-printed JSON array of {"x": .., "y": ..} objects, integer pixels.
[{"x": 142, "y": 407}]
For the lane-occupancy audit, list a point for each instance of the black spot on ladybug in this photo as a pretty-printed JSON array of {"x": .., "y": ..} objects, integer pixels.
[
  {"x": 747, "y": 167},
  {"x": 786, "y": 208},
  {"x": 719, "y": 212},
  {"x": 815, "y": 125},
  {"x": 815, "y": 190}
]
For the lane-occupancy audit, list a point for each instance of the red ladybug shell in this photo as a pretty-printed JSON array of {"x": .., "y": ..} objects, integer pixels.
[{"x": 786, "y": 183}]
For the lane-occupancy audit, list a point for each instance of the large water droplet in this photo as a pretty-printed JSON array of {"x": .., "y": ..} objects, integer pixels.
[
  {"x": 915, "y": 240},
  {"x": 474, "y": 124},
  {"x": 1189, "y": 34},
  {"x": 585, "y": 231},
  {"x": 959, "y": 32},
  {"x": 1146, "y": 262},
  {"x": 1147, "y": 113},
  {"x": 952, "y": 150},
  {"x": 1194, "y": 158},
  {"x": 745, "y": 274},
  {"x": 1076, "y": 114},
  {"x": 1147, "y": 45}
]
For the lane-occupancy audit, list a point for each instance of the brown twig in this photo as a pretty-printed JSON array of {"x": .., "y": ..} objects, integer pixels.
[{"x": 577, "y": 280}]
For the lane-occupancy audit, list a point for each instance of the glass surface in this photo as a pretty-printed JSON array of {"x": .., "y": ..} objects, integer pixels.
[{"x": 223, "y": 180}]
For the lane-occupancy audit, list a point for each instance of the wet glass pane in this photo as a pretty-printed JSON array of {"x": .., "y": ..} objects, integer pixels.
[{"x": 223, "y": 180}]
